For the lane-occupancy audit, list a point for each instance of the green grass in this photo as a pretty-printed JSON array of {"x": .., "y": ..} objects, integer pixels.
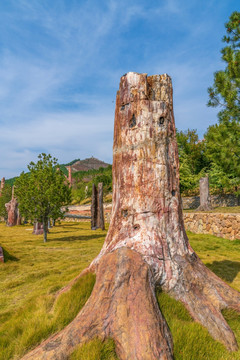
[{"x": 34, "y": 271}]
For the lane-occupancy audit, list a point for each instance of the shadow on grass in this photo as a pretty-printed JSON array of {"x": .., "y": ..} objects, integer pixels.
[
  {"x": 78, "y": 238},
  {"x": 225, "y": 269},
  {"x": 8, "y": 257}
]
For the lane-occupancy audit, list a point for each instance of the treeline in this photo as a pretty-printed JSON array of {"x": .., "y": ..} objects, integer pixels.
[{"x": 210, "y": 157}]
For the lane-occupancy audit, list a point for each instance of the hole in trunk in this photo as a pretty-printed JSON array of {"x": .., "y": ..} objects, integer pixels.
[
  {"x": 173, "y": 193},
  {"x": 136, "y": 227},
  {"x": 132, "y": 122},
  {"x": 161, "y": 121},
  {"x": 124, "y": 213}
]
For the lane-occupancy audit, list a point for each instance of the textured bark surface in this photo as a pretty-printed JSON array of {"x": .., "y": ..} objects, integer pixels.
[
  {"x": 146, "y": 244},
  {"x": 12, "y": 210},
  {"x": 205, "y": 199}
]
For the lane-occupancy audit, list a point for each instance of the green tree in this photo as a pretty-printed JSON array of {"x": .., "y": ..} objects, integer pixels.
[
  {"x": 223, "y": 139},
  {"x": 192, "y": 159},
  {"x": 5, "y": 197},
  {"x": 225, "y": 92},
  {"x": 43, "y": 191},
  {"x": 223, "y": 150}
]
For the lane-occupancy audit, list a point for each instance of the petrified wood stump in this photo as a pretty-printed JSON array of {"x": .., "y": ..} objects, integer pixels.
[
  {"x": 205, "y": 199},
  {"x": 146, "y": 245},
  {"x": 97, "y": 212},
  {"x": 1, "y": 255},
  {"x": 12, "y": 210},
  {"x": 37, "y": 228},
  {"x": 2, "y": 185}
]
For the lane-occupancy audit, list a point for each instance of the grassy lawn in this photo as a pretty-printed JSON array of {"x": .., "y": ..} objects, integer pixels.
[{"x": 34, "y": 271}]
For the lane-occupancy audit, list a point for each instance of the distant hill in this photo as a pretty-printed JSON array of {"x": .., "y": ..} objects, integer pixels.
[
  {"x": 76, "y": 165},
  {"x": 88, "y": 164}
]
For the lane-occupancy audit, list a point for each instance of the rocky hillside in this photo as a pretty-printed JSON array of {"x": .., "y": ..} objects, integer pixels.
[{"x": 88, "y": 164}]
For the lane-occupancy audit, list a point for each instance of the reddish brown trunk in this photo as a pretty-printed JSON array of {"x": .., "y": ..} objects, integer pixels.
[
  {"x": 1, "y": 255},
  {"x": 146, "y": 244},
  {"x": 12, "y": 210}
]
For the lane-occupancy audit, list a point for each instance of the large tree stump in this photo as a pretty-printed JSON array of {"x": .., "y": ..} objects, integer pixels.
[
  {"x": 12, "y": 210},
  {"x": 146, "y": 244},
  {"x": 205, "y": 199}
]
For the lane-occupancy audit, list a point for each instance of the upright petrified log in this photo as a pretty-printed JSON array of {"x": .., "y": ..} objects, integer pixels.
[
  {"x": 97, "y": 212},
  {"x": 12, "y": 210},
  {"x": 2, "y": 185},
  {"x": 94, "y": 208},
  {"x": 100, "y": 219},
  {"x": 205, "y": 199},
  {"x": 1, "y": 255},
  {"x": 38, "y": 228},
  {"x": 146, "y": 245}
]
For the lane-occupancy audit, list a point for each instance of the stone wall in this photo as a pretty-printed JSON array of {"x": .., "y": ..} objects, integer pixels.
[
  {"x": 192, "y": 202},
  {"x": 222, "y": 225}
]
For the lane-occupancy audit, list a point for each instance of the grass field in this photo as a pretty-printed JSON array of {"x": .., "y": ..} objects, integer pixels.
[{"x": 34, "y": 271}]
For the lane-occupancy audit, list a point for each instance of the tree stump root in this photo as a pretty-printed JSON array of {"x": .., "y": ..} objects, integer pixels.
[{"x": 123, "y": 306}]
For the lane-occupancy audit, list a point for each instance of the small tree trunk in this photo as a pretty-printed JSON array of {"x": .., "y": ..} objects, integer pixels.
[
  {"x": 205, "y": 199},
  {"x": 100, "y": 212},
  {"x": 146, "y": 245}
]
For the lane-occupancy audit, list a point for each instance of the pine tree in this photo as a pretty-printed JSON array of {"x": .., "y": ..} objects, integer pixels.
[
  {"x": 223, "y": 139},
  {"x": 225, "y": 91}
]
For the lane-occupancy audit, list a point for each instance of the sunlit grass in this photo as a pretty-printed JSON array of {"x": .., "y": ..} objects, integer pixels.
[{"x": 34, "y": 271}]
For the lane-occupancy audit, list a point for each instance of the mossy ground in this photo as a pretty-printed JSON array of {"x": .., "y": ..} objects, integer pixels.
[{"x": 34, "y": 271}]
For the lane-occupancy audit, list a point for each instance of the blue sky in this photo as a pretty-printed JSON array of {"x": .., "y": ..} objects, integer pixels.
[{"x": 61, "y": 61}]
